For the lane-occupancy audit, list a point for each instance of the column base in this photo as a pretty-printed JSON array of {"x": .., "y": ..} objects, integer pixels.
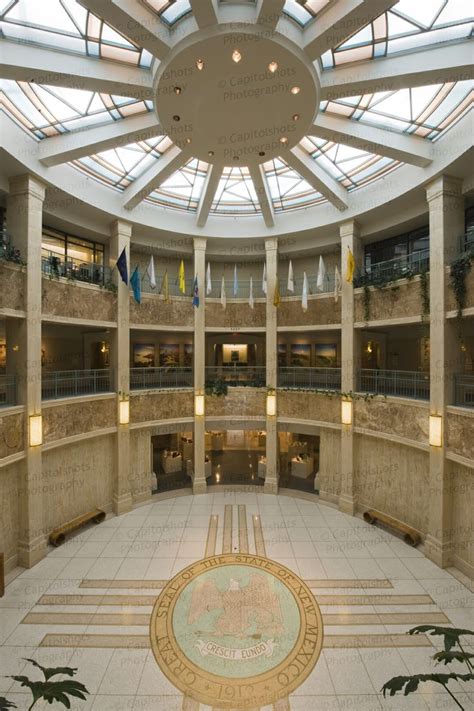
[
  {"x": 31, "y": 552},
  {"x": 347, "y": 504},
  {"x": 438, "y": 552},
  {"x": 199, "y": 486},
  {"x": 270, "y": 486},
  {"x": 122, "y": 504}
]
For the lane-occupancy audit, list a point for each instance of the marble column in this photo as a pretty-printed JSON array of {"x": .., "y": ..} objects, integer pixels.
[
  {"x": 199, "y": 350},
  {"x": 120, "y": 234},
  {"x": 24, "y": 223},
  {"x": 271, "y": 255},
  {"x": 350, "y": 363},
  {"x": 446, "y": 214}
]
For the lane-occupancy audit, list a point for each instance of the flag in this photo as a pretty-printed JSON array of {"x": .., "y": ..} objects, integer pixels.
[
  {"x": 151, "y": 272},
  {"x": 208, "y": 279},
  {"x": 291, "y": 284},
  {"x": 223, "y": 296},
  {"x": 337, "y": 284},
  {"x": 264, "y": 279},
  {"x": 350, "y": 266},
  {"x": 321, "y": 274},
  {"x": 236, "y": 281},
  {"x": 136, "y": 286},
  {"x": 304, "y": 297},
  {"x": 196, "y": 292},
  {"x": 122, "y": 266},
  {"x": 182, "y": 280},
  {"x": 165, "y": 288},
  {"x": 276, "y": 294},
  {"x": 251, "y": 293}
]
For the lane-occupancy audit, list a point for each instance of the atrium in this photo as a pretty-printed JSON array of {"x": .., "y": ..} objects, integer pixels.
[{"x": 236, "y": 355}]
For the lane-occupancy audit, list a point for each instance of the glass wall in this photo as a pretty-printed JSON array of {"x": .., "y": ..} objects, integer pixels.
[{"x": 69, "y": 248}]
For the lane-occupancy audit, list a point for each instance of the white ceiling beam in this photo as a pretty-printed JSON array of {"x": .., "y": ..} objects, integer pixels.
[
  {"x": 339, "y": 21},
  {"x": 168, "y": 164},
  {"x": 434, "y": 65},
  {"x": 262, "y": 189},
  {"x": 269, "y": 12},
  {"x": 23, "y": 62},
  {"x": 321, "y": 181},
  {"x": 408, "y": 149},
  {"x": 85, "y": 142},
  {"x": 205, "y": 12},
  {"x": 134, "y": 20},
  {"x": 210, "y": 187}
]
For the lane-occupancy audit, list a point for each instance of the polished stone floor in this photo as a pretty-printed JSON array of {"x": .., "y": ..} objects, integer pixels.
[{"x": 370, "y": 586}]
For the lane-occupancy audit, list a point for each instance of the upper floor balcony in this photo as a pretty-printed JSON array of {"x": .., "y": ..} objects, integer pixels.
[
  {"x": 404, "y": 267},
  {"x": 55, "y": 267}
]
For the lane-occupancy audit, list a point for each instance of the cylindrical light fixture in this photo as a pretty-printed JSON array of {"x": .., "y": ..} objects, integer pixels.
[
  {"x": 436, "y": 431},
  {"x": 271, "y": 404},
  {"x": 36, "y": 430},
  {"x": 199, "y": 404},
  {"x": 346, "y": 412},
  {"x": 124, "y": 411}
]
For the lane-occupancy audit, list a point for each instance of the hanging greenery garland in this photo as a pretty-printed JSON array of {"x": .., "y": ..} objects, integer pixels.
[
  {"x": 458, "y": 273},
  {"x": 425, "y": 293},
  {"x": 366, "y": 303}
]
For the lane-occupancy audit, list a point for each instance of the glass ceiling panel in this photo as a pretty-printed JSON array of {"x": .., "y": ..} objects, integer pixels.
[
  {"x": 235, "y": 193},
  {"x": 407, "y": 25},
  {"x": 170, "y": 11},
  {"x": 66, "y": 25},
  {"x": 303, "y": 11},
  {"x": 288, "y": 190},
  {"x": 183, "y": 189}
]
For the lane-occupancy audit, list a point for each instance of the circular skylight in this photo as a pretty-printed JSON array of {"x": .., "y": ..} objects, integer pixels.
[{"x": 239, "y": 109}]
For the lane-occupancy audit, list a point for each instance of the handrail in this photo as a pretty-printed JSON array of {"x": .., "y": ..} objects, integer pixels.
[
  {"x": 74, "y": 383},
  {"x": 391, "y": 269},
  {"x": 237, "y": 375},
  {"x": 309, "y": 378},
  {"x": 464, "y": 390},
  {"x": 398, "y": 383},
  {"x": 8, "y": 390},
  {"x": 328, "y": 285},
  {"x": 160, "y": 378},
  {"x": 55, "y": 267}
]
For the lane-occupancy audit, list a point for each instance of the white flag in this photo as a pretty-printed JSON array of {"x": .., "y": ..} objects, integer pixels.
[
  {"x": 236, "y": 282},
  {"x": 291, "y": 284},
  {"x": 251, "y": 293},
  {"x": 321, "y": 274},
  {"x": 264, "y": 278},
  {"x": 337, "y": 284},
  {"x": 151, "y": 272},
  {"x": 208, "y": 279},
  {"x": 304, "y": 297},
  {"x": 223, "y": 296}
]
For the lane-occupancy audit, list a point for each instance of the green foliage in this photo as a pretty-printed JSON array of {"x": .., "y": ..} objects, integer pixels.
[
  {"x": 458, "y": 272},
  {"x": 51, "y": 691},
  {"x": 366, "y": 303},
  {"x": 216, "y": 387},
  {"x": 110, "y": 286},
  {"x": 425, "y": 293},
  {"x": 4, "y": 704}
]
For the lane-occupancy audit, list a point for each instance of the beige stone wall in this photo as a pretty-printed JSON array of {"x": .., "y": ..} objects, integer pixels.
[
  {"x": 235, "y": 315},
  {"x": 306, "y": 405},
  {"x": 154, "y": 310},
  {"x": 77, "y": 300},
  {"x": 329, "y": 477},
  {"x": 239, "y": 402},
  {"x": 9, "y": 514},
  {"x": 392, "y": 479},
  {"x": 12, "y": 434},
  {"x": 451, "y": 301},
  {"x": 78, "y": 417},
  {"x": 461, "y": 489},
  {"x": 140, "y": 464},
  {"x": 398, "y": 301},
  {"x": 12, "y": 290},
  {"x": 404, "y": 419},
  {"x": 322, "y": 311},
  {"x": 460, "y": 434},
  {"x": 76, "y": 479},
  {"x": 161, "y": 405}
]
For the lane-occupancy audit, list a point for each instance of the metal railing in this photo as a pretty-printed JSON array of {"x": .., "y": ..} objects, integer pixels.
[
  {"x": 237, "y": 375},
  {"x": 73, "y": 383},
  {"x": 466, "y": 243},
  {"x": 54, "y": 267},
  {"x": 328, "y": 285},
  {"x": 173, "y": 285},
  {"x": 242, "y": 292},
  {"x": 399, "y": 383},
  {"x": 309, "y": 378},
  {"x": 7, "y": 390},
  {"x": 160, "y": 378},
  {"x": 392, "y": 269},
  {"x": 464, "y": 390},
  {"x": 7, "y": 252}
]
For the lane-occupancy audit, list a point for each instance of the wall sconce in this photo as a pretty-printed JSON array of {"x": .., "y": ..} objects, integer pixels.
[
  {"x": 271, "y": 405},
  {"x": 199, "y": 405},
  {"x": 36, "y": 430},
  {"x": 370, "y": 347},
  {"x": 436, "y": 431},
  {"x": 124, "y": 411},
  {"x": 346, "y": 412}
]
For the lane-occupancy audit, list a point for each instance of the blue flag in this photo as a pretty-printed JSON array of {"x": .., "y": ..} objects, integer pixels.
[
  {"x": 122, "y": 266},
  {"x": 136, "y": 286},
  {"x": 195, "y": 292}
]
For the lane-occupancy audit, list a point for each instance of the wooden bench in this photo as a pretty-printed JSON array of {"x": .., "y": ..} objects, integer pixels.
[
  {"x": 58, "y": 536},
  {"x": 410, "y": 536}
]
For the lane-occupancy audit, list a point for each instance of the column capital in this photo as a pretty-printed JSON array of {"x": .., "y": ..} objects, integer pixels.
[
  {"x": 444, "y": 185},
  {"x": 27, "y": 184},
  {"x": 199, "y": 244},
  {"x": 121, "y": 227},
  {"x": 271, "y": 244},
  {"x": 351, "y": 228}
]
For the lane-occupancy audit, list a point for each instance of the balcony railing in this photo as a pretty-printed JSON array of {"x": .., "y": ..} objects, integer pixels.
[
  {"x": 237, "y": 375},
  {"x": 310, "y": 378},
  {"x": 399, "y": 268},
  {"x": 160, "y": 378},
  {"x": 73, "y": 269},
  {"x": 173, "y": 285},
  {"x": 464, "y": 390},
  {"x": 73, "y": 383},
  {"x": 7, "y": 390},
  {"x": 7, "y": 252},
  {"x": 399, "y": 383},
  {"x": 242, "y": 292}
]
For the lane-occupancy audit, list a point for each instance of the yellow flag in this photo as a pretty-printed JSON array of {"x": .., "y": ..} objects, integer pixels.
[
  {"x": 165, "y": 288},
  {"x": 350, "y": 267},
  {"x": 276, "y": 294},
  {"x": 182, "y": 280}
]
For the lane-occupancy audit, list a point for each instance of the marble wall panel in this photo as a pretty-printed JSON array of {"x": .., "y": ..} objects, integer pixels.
[
  {"x": 322, "y": 311},
  {"x": 153, "y": 310},
  {"x": 389, "y": 416},
  {"x": 78, "y": 417},
  {"x": 12, "y": 287},
  {"x": 12, "y": 434},
  {"x": 307, "y": 405},
  {"x": 161, "y": 405},
  {"x": 460, "y": 434},
  {"x": 398, "y": 301},
  {"x": 236, "y": 315},
  {"x": 78, "y": 300}
]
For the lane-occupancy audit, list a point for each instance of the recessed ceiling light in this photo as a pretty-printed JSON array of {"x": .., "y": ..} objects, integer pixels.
[
  {"x": 284, "y": 140},
  {"x": 236, "y": 157},
  {"x": 177, "y": 90},
  {"x": 176, "y": 117},
  {"x": 200, "y": 64},
  {"x": 236, "y": 56},
  {"x": 262, "y": 153},
  {"x": 296, "y": 117},
  {"x": 189, "y": 140},
  {"x": 210, "y": 153},
  {"x": 273, "y": 66},
  {"x": 295, "y": 89}
]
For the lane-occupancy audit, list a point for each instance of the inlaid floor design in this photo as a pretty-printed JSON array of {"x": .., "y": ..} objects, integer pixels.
[{"x": 89, "y": 603}]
